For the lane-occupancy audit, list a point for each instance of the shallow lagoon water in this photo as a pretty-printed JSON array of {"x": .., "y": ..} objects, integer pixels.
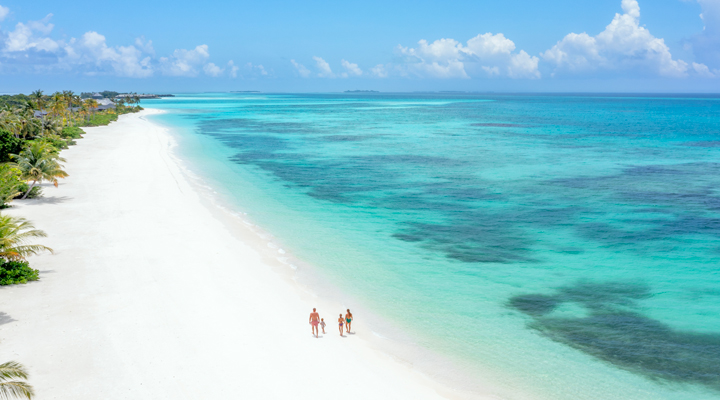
[{"x": 560, "y": 247}]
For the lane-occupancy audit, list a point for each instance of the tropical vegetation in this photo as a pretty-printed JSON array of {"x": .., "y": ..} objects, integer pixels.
[
  {"x": 12, "y": 381},
  {"x": 34, "y": 129}
]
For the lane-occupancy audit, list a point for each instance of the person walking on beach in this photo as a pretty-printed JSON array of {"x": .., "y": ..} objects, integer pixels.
[
  {"x": 322, "y": 324},
  {"x": 348, "y": 320},
  {"x": 341, "y": 322},
  {"x": 314, "y": 321}
]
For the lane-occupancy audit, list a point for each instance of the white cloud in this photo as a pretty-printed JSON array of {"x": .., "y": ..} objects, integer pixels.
[
  {"x": 523, "y": 65},
  {"x": 352, "y": 69},
  {"x": 447, "y": 58},
  {"x": 185, "y": 62},
  {"x": 4, "y": 11},
  {"x": 489, "y": 45},
  {"x": 302, "y": 71},
  {"x": 324, "y": 68},
  {"x": 257, "y": 69},
  {"x": 706, "y": 44},
  {"x": 624, "y": 45},
  {"x": 233, "y": 69},
  {"x": 703, "y": 70},
  {"x": 145, "y": 45},
  {"x": 30, "y": 47},
  {"x": 213, "y": 70},
  {"x": 32, "y": 36},
  {"x": 379, "y": 71},
  {"x": 93, "y": 49},
  {"x": 439, "y": 59}
]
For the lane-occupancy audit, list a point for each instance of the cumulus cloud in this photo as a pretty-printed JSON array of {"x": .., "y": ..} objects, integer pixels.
[
  {"x": 379, "y": 71},
  {"x": 624, "y": 45},
  {"x": 703, "y": 71},
  {"x": 93, "y": 49},
  {"x": 4, "y": 11},
  {"x": 706, "y": 44},
  {"x": 213, "y": 70},
  {"x": 233, "y": 69},
  {"x": 301, "y": 70},
  {"x": 324, "y": 68},
  {"x": 185, "y": 62},
  {"x": 31, "y": 36},
  {"x": 145, "y": 45},
  {"x": 256, "y": 69},
  {"x": 490, "y": 54},
  {"x": 29, "y": 47},
  {"x": 440, "y": 59},
  {"x": 352, "y": 69}
]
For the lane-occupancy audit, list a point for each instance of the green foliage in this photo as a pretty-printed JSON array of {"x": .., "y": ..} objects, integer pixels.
[
  {"x": 39, "y": 162},
  {"x": 35, "y": 192},
  {"x": 12, "y": 272},
  {"x": 72, "y": 132},
  {"x": 9, "y": 144},
  {"x": 15, "y": 233},
  {"x": 10, "y": 185},
  {"x": 101, "y": 118},
  {"x": 55, "y": 141},
  {"x": 13, "y": 100}
]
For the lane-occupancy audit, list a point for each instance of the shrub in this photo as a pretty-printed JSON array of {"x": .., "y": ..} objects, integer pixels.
[
  {"x": 34, "y": 193},
  {"x": 57, "y": 142},
  {"x": 12, "y": 272},
  {"x": 9, "y": 144},
  {"x": 10, "y": 185},
  {"x": 71, "y": 132},
  {"x": 101, "y": 118}
]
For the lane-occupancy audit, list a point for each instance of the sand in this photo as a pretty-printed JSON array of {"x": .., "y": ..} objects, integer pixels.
[{"x": 152, "y": 294}]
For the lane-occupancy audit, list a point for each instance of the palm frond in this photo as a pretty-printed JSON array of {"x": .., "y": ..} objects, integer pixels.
[
  {"x": 16, "y": 389},
  {"x": 12, "y": 369}
]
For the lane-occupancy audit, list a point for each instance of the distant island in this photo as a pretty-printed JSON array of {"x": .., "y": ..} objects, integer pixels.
[
  {"x": 109, "y": 94},
  {"x": 361, "y": 91},
  {"x": 245, "y": 91},
  {"x": 144, "y": 95}
]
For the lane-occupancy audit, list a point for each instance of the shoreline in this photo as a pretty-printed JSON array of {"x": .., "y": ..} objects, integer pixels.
[
  {"x": 449, "y": 376},
  {"x": 104, "y": 293}
]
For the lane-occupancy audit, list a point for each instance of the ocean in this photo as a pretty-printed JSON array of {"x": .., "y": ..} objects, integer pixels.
[{"x": 547, "y": 246}]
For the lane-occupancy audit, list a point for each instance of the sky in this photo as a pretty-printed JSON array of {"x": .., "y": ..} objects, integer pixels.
[{"x": 327, "y": 46}]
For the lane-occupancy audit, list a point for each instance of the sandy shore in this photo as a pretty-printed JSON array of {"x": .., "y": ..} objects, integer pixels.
[{"x": 151, "y": 296}]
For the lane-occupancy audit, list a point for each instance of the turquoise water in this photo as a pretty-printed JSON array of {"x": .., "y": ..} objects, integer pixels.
[{"x": 553, "y": 247}]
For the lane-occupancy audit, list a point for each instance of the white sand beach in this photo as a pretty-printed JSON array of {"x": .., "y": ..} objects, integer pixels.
[{"x": 150, "y": 295}]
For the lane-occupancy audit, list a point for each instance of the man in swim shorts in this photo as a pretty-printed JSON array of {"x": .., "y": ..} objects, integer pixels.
[{"x": 314, "y": 321}]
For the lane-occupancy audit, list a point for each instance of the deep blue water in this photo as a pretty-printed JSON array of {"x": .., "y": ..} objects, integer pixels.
[{"x": 553, "y": 246}]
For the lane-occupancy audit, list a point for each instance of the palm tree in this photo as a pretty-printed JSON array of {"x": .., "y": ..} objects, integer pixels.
[
  {"x": 15, "y": 232},
  {"x": 92, "y": 104},
  {"x": 37, "y": 163},
  {"x": 10, "y": 121},
  {"x": 49, "y": 126},
  {"x": 10, "y": 385},
  {"x": 40, "y": 101},
  {"x": 57, "y": 105}
]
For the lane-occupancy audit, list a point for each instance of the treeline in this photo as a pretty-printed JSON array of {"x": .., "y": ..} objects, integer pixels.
[
  {"x": 109, "y": 94},
  {"x": 34, "y": 129}
]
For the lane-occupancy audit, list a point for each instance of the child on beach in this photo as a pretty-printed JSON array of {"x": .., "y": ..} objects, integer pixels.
[
  {"x": 341, "y": 322},
  {"x": 322, "y": 324}
]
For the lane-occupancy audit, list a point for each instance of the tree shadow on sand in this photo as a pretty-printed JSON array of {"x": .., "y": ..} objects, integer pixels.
[
  {"x": 615, "y": 333},
  {"x": 5, "y": 318}
]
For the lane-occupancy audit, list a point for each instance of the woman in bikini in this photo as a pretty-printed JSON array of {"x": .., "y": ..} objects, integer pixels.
[
  {"x": 348, "y": 320},
  {"x": 340, "y": 322}
]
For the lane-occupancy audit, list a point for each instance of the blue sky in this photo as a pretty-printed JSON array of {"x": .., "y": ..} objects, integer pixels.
[{"x": 514, "y": 45}]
